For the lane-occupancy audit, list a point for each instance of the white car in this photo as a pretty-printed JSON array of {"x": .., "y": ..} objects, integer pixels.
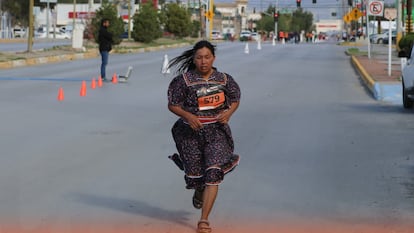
[
  {"x": 246, "y": 35},
  {"x": 255, "y": 36},
  {"x": 378, "y": 38},
  {"x": 216, "y": 35},
  {"x": 19, "y": 32},
  {"x": 60, "y": 34},
  {"x": 407, "y": 76}
]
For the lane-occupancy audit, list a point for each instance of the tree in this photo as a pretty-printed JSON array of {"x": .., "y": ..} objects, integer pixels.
[
  {"x": 195, "y": 29},
  {"x": 19, "y": 10},
  {"x": 266, "y": 23},
  {"x": 301, "y": 21},
  {"x": 178, "y": 20},
  {"x": 147, "y": 26},
  {"x": 287, "y": 22},
  {"x": 107, "y": 11}
]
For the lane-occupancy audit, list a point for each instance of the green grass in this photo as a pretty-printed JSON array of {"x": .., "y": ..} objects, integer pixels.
[{"x": 356, "y": 52}]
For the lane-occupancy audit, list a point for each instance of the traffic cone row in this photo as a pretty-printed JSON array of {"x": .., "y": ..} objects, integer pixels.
[{"x": 83, "y": 89}]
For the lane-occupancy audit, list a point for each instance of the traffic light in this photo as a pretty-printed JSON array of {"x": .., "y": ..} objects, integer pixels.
[
  {"x": 350, "y": 2},
  {"x": 314, "y": 1},
  {"x": 276, "y": 16},
  {"x": 298, "y": 3}
]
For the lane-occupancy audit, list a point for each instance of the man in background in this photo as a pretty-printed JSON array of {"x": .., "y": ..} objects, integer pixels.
[{"x": 105, "y": 46}]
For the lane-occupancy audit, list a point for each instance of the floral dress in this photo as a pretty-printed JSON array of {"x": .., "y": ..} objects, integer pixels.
[{"x": 205, "y": 155}]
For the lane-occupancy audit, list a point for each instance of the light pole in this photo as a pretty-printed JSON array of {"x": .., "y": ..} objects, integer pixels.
[
  {"x": 129, "y": 19},
  {"x": 30, "y": 40}
]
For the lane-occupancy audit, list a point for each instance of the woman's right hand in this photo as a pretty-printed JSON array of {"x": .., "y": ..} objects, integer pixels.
[{"x": 193, "y": 121}]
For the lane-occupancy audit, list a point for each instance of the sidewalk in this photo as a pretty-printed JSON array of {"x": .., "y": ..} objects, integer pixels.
[{"x": 383, "y": 84}]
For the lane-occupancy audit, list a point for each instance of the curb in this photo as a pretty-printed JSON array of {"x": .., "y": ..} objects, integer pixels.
[
  {"x": 82, "y": 55},
  {"x": 47, "y": 59},
  {"x": 383, "y": 91}
]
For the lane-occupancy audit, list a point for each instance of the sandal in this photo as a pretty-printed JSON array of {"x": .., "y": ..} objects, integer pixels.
[
  {"x": 198, "y": 198},
  {"x": 205, "y": 228}
]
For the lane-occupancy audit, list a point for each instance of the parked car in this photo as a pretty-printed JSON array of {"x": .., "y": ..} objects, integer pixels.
[
  {"x": 393, "y": 38},
  {"x": 58, "y": 34},
  {"x": 407, "y": 76},
  {"x": 379, "y": 38},
  {"x": 254, "y": 36},
  {"x": 216, "y": 35},
  {"x": 245, "y": 35},
  {"x": 19, "y": 32}
]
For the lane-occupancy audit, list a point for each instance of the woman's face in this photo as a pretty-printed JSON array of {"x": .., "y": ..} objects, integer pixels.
[{"x": 204, "y": 59}]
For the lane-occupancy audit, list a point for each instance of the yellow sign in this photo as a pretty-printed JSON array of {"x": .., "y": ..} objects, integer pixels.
[
  {"x": 356, "y": 13},
  {"x": 347, "y": 18},
  {"x": 209, "y": 15}
]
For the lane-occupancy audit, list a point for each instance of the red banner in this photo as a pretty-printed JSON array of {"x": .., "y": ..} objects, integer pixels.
[{"x": 81, "y": 15}]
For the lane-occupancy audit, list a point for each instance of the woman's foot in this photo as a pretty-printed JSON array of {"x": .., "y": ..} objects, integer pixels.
[
  {"x": 198, "y": 198},
  {"x": 203, "y": 226}
]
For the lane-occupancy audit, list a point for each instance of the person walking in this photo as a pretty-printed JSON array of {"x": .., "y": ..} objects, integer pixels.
[
  {"x": 204, "y": 99},
  {"x": 105, "y": 46}
]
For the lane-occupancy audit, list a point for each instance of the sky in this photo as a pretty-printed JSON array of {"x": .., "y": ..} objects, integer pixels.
[{"x": 321, "y": 10}]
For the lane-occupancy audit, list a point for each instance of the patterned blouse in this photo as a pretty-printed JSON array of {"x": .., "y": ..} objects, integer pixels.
[{"x": 203, "y": 97}]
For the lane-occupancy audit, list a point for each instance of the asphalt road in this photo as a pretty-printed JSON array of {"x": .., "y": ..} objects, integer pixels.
[{"x": 318, "y": 152}]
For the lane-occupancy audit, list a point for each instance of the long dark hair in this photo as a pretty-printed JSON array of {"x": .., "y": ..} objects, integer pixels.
[{"x": 184, "y": 62}]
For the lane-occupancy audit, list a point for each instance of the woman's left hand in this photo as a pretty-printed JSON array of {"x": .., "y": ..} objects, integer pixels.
[{"x": 224, "y": 117}]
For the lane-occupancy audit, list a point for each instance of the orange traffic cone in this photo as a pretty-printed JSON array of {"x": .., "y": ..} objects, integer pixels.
[
  {"x": 100, "y": 81},
  {"x": 61, "y": 94},
  {"x": 114, "y": 79},
  {"x": 83, "y": 89},
  {"x": 93, "y": 83}
]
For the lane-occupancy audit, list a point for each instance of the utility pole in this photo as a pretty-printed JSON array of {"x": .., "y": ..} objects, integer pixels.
[
  {"x": 408, "y": 27},
  {"x": 30, "y": 40},
  {"x": 74, "y": 15},
  {"x": 129, "y": 19},
  {"x": 202, "y": 32}
]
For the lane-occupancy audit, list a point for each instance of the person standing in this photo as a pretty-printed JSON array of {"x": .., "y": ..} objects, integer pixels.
[
  {"x": 204, "y": 99},
  {"x": 105, "y": 46}
]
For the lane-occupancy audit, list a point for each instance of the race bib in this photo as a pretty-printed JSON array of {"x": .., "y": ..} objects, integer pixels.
[{"x": 211, "y": 101}]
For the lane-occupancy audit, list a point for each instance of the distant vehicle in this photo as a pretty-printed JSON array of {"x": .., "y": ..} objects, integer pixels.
[
  {"x": 379, "y": 38},
  {"x": 254, "y": 36},
  {"x": 19, "y": 32},
  {"x": 393, "y": 38},
  {"x": 245, "y": 35},
  {"x": 58, "y": 34},
  {"x": 216, "y": 35},
  {"x": 66, "y": 28},
  {"x": 407, "y": 76}
]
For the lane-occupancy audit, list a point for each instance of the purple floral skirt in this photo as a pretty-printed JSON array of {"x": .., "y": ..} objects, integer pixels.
[{"x": 205, "y": 155}]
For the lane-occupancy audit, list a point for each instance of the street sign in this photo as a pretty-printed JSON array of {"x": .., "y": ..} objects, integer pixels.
[
  {"x": 356, "y": 13},
  {"x": 209, "y": 15},
  {"x": 390, "y": 13},
  {"x": 50, "y": 1},
  {"x": 347, "y": 18},
  {"x": 376, "y": 8}
]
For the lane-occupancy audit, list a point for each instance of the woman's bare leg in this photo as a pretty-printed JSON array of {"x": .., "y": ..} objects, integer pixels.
[{"x": 209, "y": 197}]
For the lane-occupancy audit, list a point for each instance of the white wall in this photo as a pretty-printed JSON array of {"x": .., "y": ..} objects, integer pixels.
[{"x": 62, "y": 13}]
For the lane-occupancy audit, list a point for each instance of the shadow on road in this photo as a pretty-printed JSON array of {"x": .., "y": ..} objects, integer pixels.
[{"x": 135, "y": 207}]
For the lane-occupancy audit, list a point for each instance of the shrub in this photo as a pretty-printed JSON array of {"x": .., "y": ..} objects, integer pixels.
[{"x": 406, "y": 44}]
